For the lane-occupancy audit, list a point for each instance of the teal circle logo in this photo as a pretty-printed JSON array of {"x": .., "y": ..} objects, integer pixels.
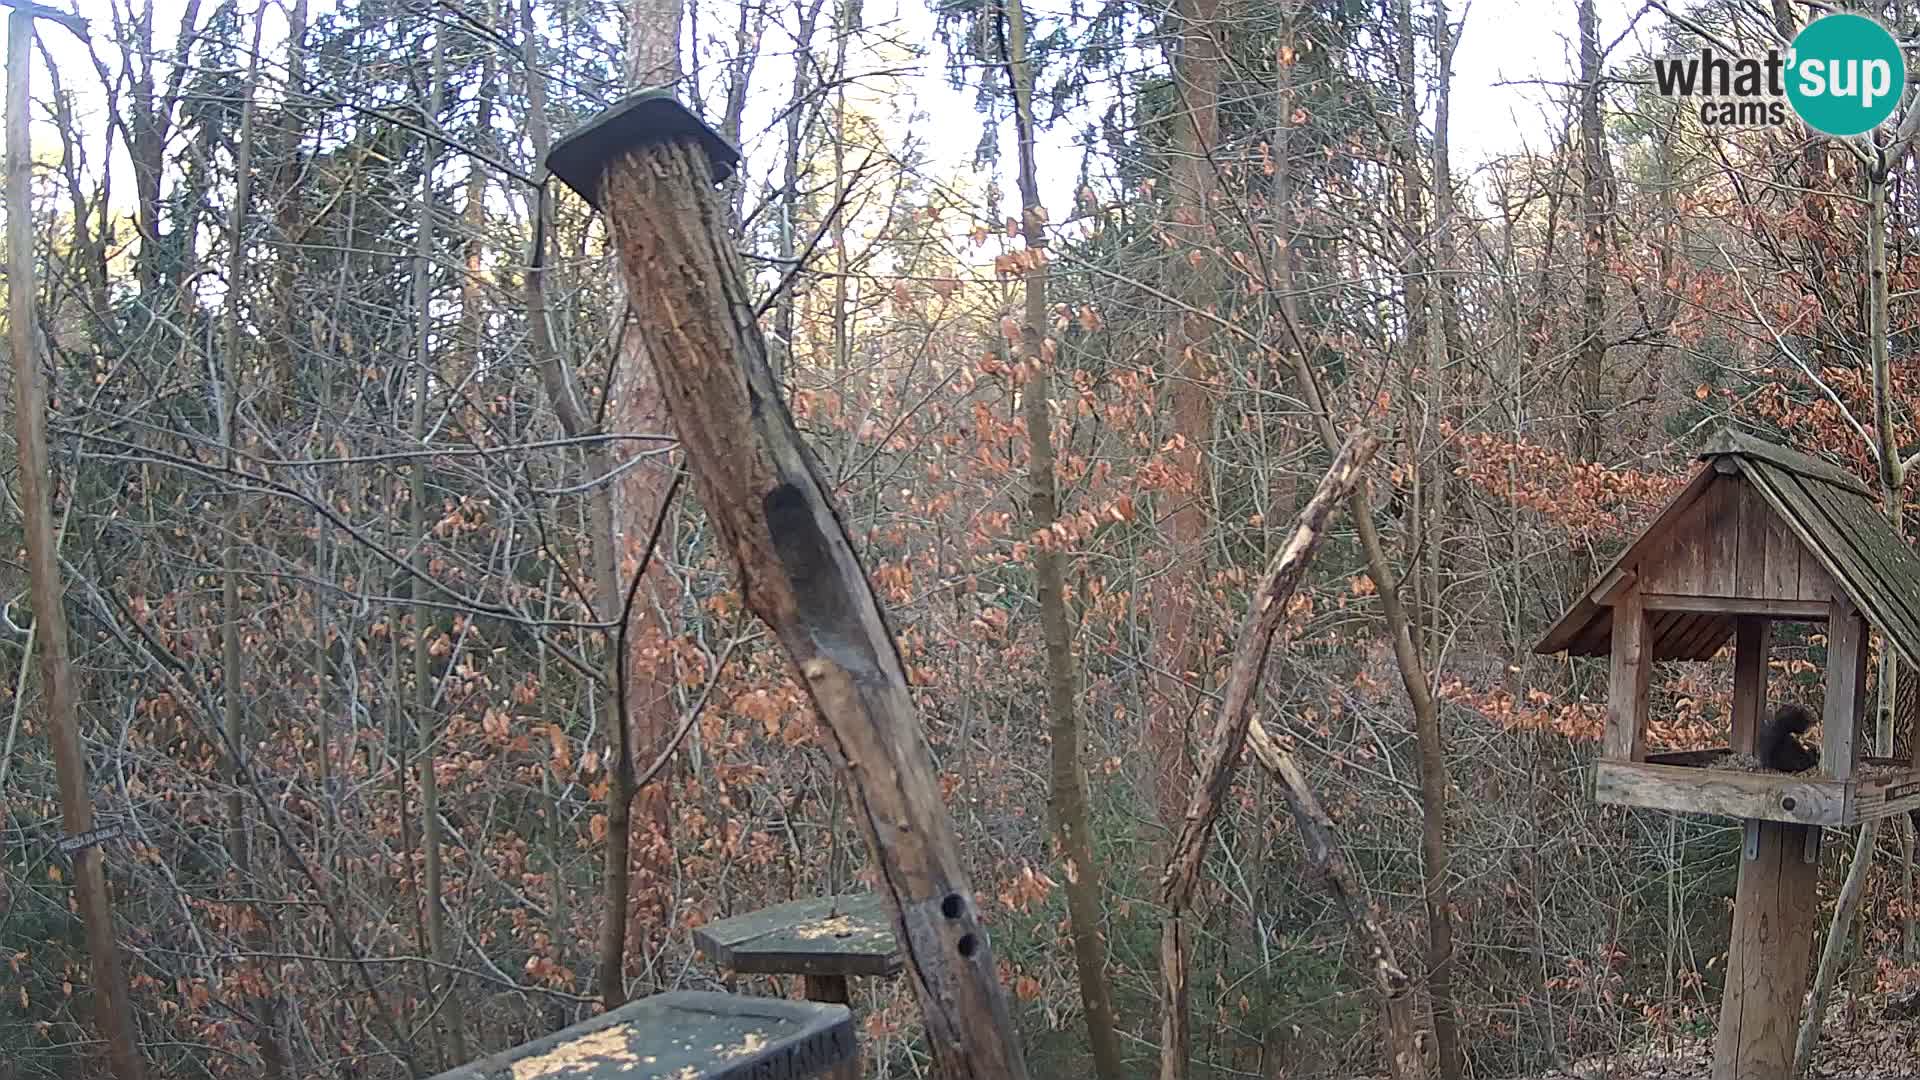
[{"x": 1845, "y": 75}]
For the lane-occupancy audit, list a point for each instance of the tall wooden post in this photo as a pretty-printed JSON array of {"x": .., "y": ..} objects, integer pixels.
[
  {"x": 1773, "y": 907},
  {"x": 1767, "y": 956},
  {"x": 651, "y": 167},
  {"x": 112, "y": 1012}
]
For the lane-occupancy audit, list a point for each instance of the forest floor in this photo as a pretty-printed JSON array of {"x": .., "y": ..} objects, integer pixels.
[{"x": 1879, "y": 1039}]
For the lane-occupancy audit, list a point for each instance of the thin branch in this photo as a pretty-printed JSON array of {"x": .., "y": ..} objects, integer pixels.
[{"x": 1781, "y": 344}]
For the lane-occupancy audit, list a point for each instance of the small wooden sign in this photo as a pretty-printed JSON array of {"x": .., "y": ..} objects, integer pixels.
[{"x": 72, "y": 844}]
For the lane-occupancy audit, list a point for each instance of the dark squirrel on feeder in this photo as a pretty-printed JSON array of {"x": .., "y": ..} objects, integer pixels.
[{"x": 1778, "y": 749}]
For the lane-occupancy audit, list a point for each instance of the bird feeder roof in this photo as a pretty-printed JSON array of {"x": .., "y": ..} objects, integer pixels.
[
  {"x": 641, "y": 119},
  {"x": 1831, "y": 513}
]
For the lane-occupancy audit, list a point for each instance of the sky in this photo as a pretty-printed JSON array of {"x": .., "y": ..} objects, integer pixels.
[
  {"x": 1508, "y": 52},
  {"x": 1508, "y": 42}
]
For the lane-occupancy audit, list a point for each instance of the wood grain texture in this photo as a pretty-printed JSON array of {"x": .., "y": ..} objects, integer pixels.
[
  {"x": 1687, "y": 790},
  {"x": 1752, "y": 636},
  {"x": 753, "y": 472},
  {"x": 1885, "y": 796},
  {"x": 1750, "y": 546},
  {"x": 1632, "y": 663},
  {"x": 833, "y": 990},
  {"x": 1846, "y": 689},
  {"x": 1784, "y": 559},
  {"x": 1729, "y": 542},
  {"x": 835, "y": 935},
  {"x": 1720, "y": 537},
  {"x": 1767, "y": 958},
  {"x": 683, "y": 1035},
  {"x": 1796, "y": 610}
]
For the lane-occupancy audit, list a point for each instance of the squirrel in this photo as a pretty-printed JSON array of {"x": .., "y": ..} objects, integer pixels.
[{"x": 1776, "y": 746}]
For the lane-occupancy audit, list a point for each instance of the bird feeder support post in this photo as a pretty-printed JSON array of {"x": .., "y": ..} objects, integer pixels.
[{"x": 1767, "y": 956}]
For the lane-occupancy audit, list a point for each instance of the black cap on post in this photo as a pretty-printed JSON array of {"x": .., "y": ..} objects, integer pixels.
[{"x": 642, "y": 119}]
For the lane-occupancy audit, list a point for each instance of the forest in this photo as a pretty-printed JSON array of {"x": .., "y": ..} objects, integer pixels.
[{"x": 1221, "y": 446}]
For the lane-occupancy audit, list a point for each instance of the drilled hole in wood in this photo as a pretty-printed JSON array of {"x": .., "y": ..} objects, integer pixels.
[
  {"x": 952, "y": 906},
  {"x": 968, "y": 943},
  {"x": 1787, "y": 803}
]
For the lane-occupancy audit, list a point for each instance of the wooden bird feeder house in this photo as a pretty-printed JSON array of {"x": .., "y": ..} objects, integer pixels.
[{"x": 1760, "y": 534}]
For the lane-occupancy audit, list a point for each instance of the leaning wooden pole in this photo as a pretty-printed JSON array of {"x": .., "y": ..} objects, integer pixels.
[
  {"x": 112, "y": 1012},
  {"x": 651, "y": 167},
  {"x": 1266, "y": 612}
]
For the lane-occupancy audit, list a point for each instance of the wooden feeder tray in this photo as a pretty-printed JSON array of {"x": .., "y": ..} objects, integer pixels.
[
  {"x": 684, "y": 1035},
  {"x": 846, "y": 935},
  {"x": 1686, "y": 782}
]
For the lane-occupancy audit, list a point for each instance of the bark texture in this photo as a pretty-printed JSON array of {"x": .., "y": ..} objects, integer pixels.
[
  {"x": 1073, "y": 831},
  {"x": 770, "y": 510},
  {"x": 1197, "y": 84}
]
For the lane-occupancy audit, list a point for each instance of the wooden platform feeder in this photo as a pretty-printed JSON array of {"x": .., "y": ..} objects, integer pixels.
[
  {"x": 1759, "y": 534},
  {"x": 684, "y": 1035},
  {"x": 825, "y": 942}
]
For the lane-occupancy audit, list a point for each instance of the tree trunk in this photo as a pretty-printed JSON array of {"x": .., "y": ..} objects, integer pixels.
[
  {"x": 1593, "y": 347},
  {"x": 440, "y": 979},
  {"x": 1415, "y": 291},
  {"x": 1892, "y": 479},
  {"x": 808, "y": 13},
  {"x": 1197, "y": 86},
  {"x": 770, "y": 509},
  {"x": 1073, "y": 829},
  {"x": 645, "y": 692},
  {"x": 35, "y": 475},
  {"x": 266, "y": 1007},
  {"x": 1433, "y": 841},
  {"x": 653, "y": 43}
]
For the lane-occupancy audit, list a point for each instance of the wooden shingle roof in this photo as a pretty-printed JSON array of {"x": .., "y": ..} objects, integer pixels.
[{"x": 1831, "y": 513}]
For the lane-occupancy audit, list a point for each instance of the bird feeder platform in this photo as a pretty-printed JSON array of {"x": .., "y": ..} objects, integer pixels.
[
  {"x": 825, "y": 941},
  {"x": 835, "y": 936},
  {"x": 684, "y": 1035},
  {"x": 1688, "y": 782},
  {"x": 580, "y": 159}
]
